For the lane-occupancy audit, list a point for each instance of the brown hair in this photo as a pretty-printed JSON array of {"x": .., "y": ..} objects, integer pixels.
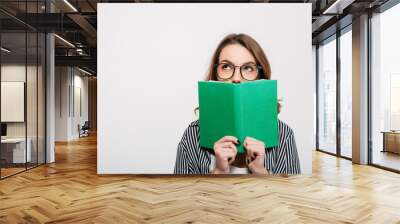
[{"x": 251, "y": 45}]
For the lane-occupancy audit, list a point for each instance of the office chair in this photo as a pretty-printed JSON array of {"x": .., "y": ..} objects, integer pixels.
[{"x": 84, "y": 130}]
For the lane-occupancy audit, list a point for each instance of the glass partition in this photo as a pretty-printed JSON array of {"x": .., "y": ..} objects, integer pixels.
[
  {"x": 41, "y": 107},
  {"x": 31, "y": 100},
  {"x": 14, "y": 153},
  {"x": 22, "y": 63}
]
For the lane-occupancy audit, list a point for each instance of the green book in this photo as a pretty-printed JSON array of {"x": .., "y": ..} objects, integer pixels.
[{"x": 240, "y": 110}]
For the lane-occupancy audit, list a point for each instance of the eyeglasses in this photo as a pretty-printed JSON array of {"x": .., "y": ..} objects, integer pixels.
[{"x": 248, "y": 71}]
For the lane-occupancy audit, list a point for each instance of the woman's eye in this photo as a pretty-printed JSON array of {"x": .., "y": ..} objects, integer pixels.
[
  {"x": 226, "y": 66},
  {"x": 249, "y": 68}
]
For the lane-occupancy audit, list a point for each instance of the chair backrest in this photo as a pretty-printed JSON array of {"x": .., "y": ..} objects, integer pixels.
[{"x": 86, "y": 125}]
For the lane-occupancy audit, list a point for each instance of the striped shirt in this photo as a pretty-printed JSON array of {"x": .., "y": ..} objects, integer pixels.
[{"x": 191, "y": 158}]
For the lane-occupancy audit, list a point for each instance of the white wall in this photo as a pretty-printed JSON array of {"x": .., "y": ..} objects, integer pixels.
[
  {"x": 150, "y": 57},
  {"x": 68, "y": 81},
  {"x": 79, "y": 117},
  {"x": 61, "y": 103}
]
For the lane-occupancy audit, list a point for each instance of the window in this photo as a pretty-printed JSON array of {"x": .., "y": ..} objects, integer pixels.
[
  {"x": 346, "y": 93},
  {"x": 327, "y": 96},
  {"x": 385, "y": 88}
]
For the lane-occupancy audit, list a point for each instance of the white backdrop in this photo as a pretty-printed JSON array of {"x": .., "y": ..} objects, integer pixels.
[{"x": 150, "y": 57}]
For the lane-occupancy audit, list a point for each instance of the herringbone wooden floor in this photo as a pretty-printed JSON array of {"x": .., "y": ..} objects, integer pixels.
[{"x": 70, "y": 191}]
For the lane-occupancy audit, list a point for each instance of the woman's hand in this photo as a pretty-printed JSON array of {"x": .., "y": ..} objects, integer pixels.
[
  {"x": 225, "y": 153},
  {"x": 255, "y": 155}
]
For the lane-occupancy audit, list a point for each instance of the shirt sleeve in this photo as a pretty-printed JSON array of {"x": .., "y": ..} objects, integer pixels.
[
  {"x": 292, "y": 157},
  {"x": 183, "y": 163}
]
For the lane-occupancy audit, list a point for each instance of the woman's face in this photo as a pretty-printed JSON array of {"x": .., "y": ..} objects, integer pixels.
[{"x": 236, "y": 55}]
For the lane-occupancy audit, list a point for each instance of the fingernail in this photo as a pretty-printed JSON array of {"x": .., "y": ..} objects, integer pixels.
[{"x": 238, "y": 142}]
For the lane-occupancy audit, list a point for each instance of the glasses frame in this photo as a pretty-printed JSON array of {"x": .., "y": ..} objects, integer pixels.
[{"x": 258, "y": 67}]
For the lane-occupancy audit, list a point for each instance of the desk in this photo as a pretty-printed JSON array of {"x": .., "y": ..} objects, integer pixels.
[
  {"x": 15, "y": 148},
  {"x": 391, "y": 141}
]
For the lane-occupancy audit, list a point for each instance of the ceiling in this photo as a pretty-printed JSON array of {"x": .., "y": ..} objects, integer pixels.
[{"x": 76, "y": 22}]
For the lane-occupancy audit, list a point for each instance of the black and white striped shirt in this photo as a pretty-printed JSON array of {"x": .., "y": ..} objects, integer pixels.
[{"x": 193, "y": 159}]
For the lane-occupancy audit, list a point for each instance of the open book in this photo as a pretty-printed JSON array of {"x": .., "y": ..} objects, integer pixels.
[{"x": 240, "y": 110}]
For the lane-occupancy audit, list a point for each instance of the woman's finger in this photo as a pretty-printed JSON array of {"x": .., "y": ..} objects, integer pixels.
[
  {"x": 251, "y": 158},
  {"x": 231, "y": 152},
  {"x": 256, "y": 148},
  {"x": 259, "y": 160},
  {"x": 231, "y": 160},
  {"x": 250, "y": 140},
  {"x": 229, "y": 156},
  {"x": 228, "y": 151},
  {"x": 248, "y": 161},
  {"x": 228, "y": 139},
  {"x": 229, "y": 147},
  {"x": 253, "y": 150},
  {"x": 226, "y": 145},
  {"x": 225, "y": 139}
]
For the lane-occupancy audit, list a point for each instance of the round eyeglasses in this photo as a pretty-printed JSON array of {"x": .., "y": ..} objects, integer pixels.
[{"x": 248, "y": 71}]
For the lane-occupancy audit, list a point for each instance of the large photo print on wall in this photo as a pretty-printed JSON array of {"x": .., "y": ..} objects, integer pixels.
[{"x": 205, "y": 89}]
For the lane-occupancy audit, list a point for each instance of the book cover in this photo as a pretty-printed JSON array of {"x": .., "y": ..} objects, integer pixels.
[{"x": 240, "y": 110}]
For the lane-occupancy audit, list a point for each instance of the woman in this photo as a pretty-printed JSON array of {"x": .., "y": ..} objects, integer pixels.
[{"x": 238, "y": 58}]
